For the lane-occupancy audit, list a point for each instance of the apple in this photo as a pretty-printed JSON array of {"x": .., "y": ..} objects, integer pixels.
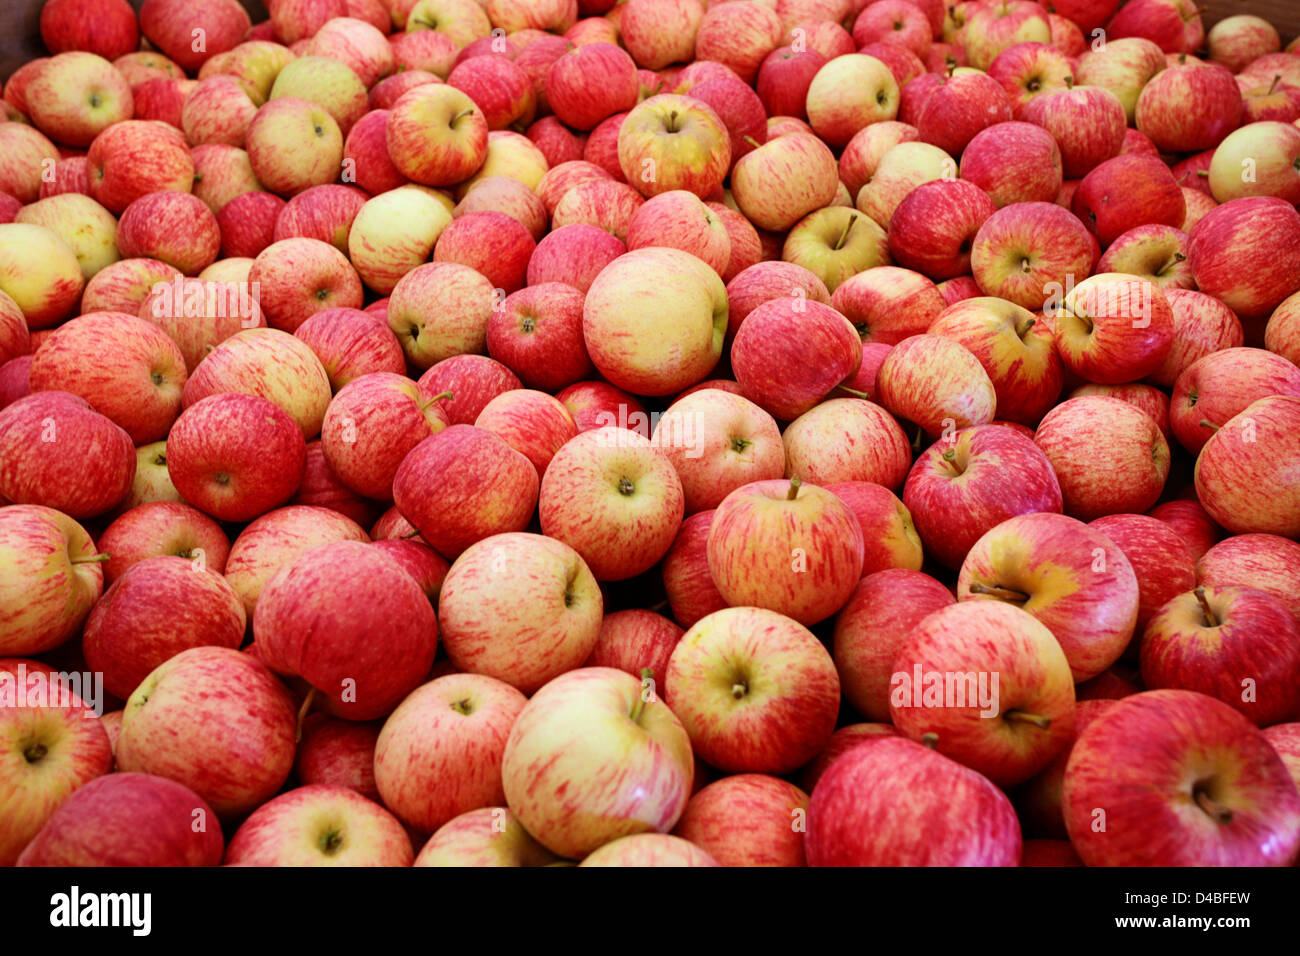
[
  {"x": 889, "y": 535},
  {"x": 784, "y": 78},
  {"x": 872, "y": 805},
  {"x": 739, "y": 36},
  {"x": 1122, "y": 65},
  {"x": 294, "y": 144},
  {"x": 1026, "y": 252},
  {"x": 1271, "y": 100},
  {"x": 1192, "y": 524},
  {"x": 1189, "y": 107},
  {"x": 1030, "y": 70},
  {"x": 604, "y": 203},
  {"x": 198, "y": 315},
  {"x": 1156, "y": 252},
  {"x": 87, "y": 228},
  {"x": 351, "y": 343},
  {"x": 1244, "y": 253},
  {"x": 1285, "y": 739},
  {"x": 462, "y": 485},
  {"x": 1243, "y": 473},
  {"x": 441, "y": 309},
  {"x": 847, "y": 439},
  {"x": 472, "y": 380},
  {"x": 768, "y": 280},
  {"x": 1184, "y": 780},
  {"x": 691, "y": 592},
  {"x": 159, "y": 528},
  {"x": 836, "y": 243},
  {"x": 747, "y": 819},
  {"x": 39, "y": 272},
  {"x": 108, "y": 29},
  {"x": 659, "y": 33},
  {"x": 887, "y": 304},
  {"x": 219, "y": 110},
  {"x": 394, "y": 233},
  {"x": 73, "y": 96},
  {"x": 1087, "y": 123},
  {"x": 491, "y": 836},
  {"x": 23, "y": 169},
  {"x": 493, "y": 243},
  {"x": 849, "y": 93},
  {"x": 362, "y": 45},
  {"x": 787, "y": 374},
  {"x": 1221, "y": 385},
  {"x": 501, "y": 89},
  {"x": 1174, "y": 24},
  {"x": 1258, "y": 159},
  {"x": 861, "y": 157},
  {"x": 55, "y": 450},
  {"x": 559, "y": 179},
  {"x": 319, "y": 825},
  {"x": 961, "y": 107},
  {"x": 336, "y": 752},
  {"x": 792, "y": 548},
  {"x": 365, "y": 155},
  {"x": 649, "y": 850},
  {"x": 171, "y": 25},
  {"x": 678, "y": 219},
  {"x": 503, "y": 194},
  {"x": 1074, "y": 579},
  {"x": 425, "y": 50},
  {"x": 900, "y": 170},
  {"x": 634, "y": 640},
  {"x": 1264, "y": 562},
  {"x": 1114, "y": 328},
  {"x": 1164, "y": 565},
  {"x": 671, "y": 142},
  {"x": 321, "y": 212},
  {"x": 537, "y": 333},
  {"x": 936, "y": 383},
  {"x": 932, "y": 229}
]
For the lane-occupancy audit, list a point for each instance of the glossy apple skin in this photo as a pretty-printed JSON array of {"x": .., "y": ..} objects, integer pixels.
[
  {"x": 1253, "y": 637},
  {"x": 319, "y": 825},
  {"x": 1188, "y": 108},
  {"x": 339, "y": 753},
  {"x": 841, "y": 742},
  {"x": 492, "y": 836},
  {"x": 311, "y": 609},
  {"x": 1077, "y": 580},
  {"x": 747, "y": 820},
  {"x": 1266, "y": 562},
  {"x": 1285, "y": 739},
  {"x": 873, "y": 803},
  {"x": 1245, "y": 475},
  {"x": 889, "y": 534},
  {"x": 956, "y": 491},
  {"x": 1014, "y": 162},
  {"x": 216, "y": 720},
  {"x": 1113, "y": 328},
  {"x": 1221, "y": 385},
  {"x": 1191, "y": 522},
  {"x": 1202, "y": 324},
  {"x": 1126, "y": 192},
  {"x": 634, "y": 639},
  {"x": 1038, "y": 800},
  {"x": 1246, "y": 253},
  {"x": 1164, "y": 565},
  {"x": 1143, "y": 762},
  {"x": 691, "y": 591},
  {"x": 129, "y": 819},
  {"x": 937, "y": 383},
  {"x": 649, "y": 850},
  {"x": 473, "y": 380},
  {"x": 1034, "y": 677},
  {"x": 578, "y": 772},
  {"x": 756, "y": 691},
  {"x": 1025, "y": 250}
]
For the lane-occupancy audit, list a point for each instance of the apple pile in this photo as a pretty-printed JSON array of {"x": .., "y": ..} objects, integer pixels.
[{"x": 653, "y": 433}]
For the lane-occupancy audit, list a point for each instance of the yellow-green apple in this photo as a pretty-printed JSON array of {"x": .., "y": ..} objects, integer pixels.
[
  {"x": 1246, "y": 253},
  {"x": 156, "y": 609},
  {"x": 74, "y": 96},
  {"x": 1237, "y": 40},
  {"x": 321, "y": 212},
  {"x": 659, "y": 33},
  {"x": 718, "y": 441},
  {"x": 1236, "y": 644},
  {"x": 308, "y": 614},
  {"x": 452, "y": 728},
  {"x": 553, "y": 16},
  {"x": 1163, "y": 564},
  {"x": 651, "y": 849},
  {"x": 294, "y": 144},
  {"x": 255, "y": 63},
  {"x": 756, "y": 691},
  {"x": 89, "y": 229},
  {"x": 1175, "y": 25},
  {"x": 790, "y": 353},
  {"x": 53, "y": 744},
  {"x": 1266, "y": 562},
  {"x": 861, "y": 157},
  {"x": 509, "y": 154},
  {"x": 888, "y": 533},
  {"x": 671, "y": 142},
  {"x": 298, "y": 277},
  {"x": 1285, "y": 739},
  {"x": 739, "y": 36},
  {"x": 792, "y": 548},
  {"x": 39, "y": 272},
  {"x": 126, "y": 368},
  {"x": 198, "y": 314},
  {"x": 848, "y": 94},
  {"x": 748, "y": 819},
  {"x": 462, "y": 22},
  {"x": 1013, "y": 347},
  {"x": 338, "y": 752},
  {"x": 159, "y": 528},
  {"x": 872, "y": 805},
  {"x": 901, "y": 169},
  {"x": 1087, "y": 123},
  {"x": 1126, "y": 192},
  {"x": 496, "y": 245},
  {"x": 441, "y": 309},
  {"x": 129, "y": 819},
  {"x": 1220, "y": 385},
  {"x": 1113, "y": 328},
  {"x": 278, "y": 538},
  {"x": 192, "y": 32},
  {"x": 27, "y": 154},
  {"x": 847, "y": 439},
  {"x": 989, "y": 684},
  {"x": 351, "y": 343},
  {"x": 1025, "y": 251},
  {"x": 319, "y": 825},
  {"x": 888, "y": 304},
  {"x": 1260, "y": 159},
  {"x": 1156, "y": 252},
  {"x": 57, "y": 451},
  {"x": 691, "y": 591},
  {"x": 1074, "y": 579},
  {"x": 394, "y": 232},
  {"x": 270, "y": 364},
  {"x": 371, "y": 425},
  {"x": 593, "y": 757},
  {"x": 537, "y": 332},
  {"x": 462, "y": 485},
  {"x": 151, "y": 481},
  {"x": 1014, "y": 162},
  {"x": 991, "y": 28},
  {"x": 937, "y": 383},
  {"x": 1183, "y": 780},
  {"x": 437, "y": 135},
  {"x": 964, "y": 475},
  {"x": 1189, "y": 107},
  {"x": 108, "y": 29},
  {"x": 527, "y": 632},
  {"x": 52, "y": 578},
  {"x": 235, "y": 456},
  {"x": 510, "y": 196},
  {"x": 1191, "y": 522},
  {"x": 932, "y": 229},
  {"x": 473, "y": 381},
  {"x": 633, "y": 640},
  {"x": 883, "y": 610},
  {"x": 491, "y": 836},
  {"x": 1109, "y": 456},
  {"x": 767, "y": 280},
  {"x": 836, "y": 243},
  {"x": 1245, "y": 474},
  {"x": 679, "y": 220},
  {"x": 215, "y": 720},
  {"x": 613, "y": 497},
  {"x": 654, "y": 320}
]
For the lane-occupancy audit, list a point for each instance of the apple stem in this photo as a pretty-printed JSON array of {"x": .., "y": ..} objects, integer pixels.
[
  {"x": 302, "y": 713},
  {"x": 854, "y": 392},
  {"x": 94, "y": 559},
  {"x": 1216, "y": 811},
  {"x": 793, "y": 493},
  {"x": 647, "y": 674},
  {"x": 930, "y": 740},
  {"x": 437, "y": 398},
  {"x": 1276, "y": 80},
  {"x": 459, "y": 116},
  {"x": 1038, "y": 720},
  {"x": 660, "y": 607},
  {"x": 1210, "y": 619},
  {"x": 1024, "y": 329},
  {"x": 751, "y": 141},
  {"x": 1001, "y": 593},
  {"x": 1206, "y": 423},
  {"x": 839, "y": 243},
  {"x": 413, "y": 534}
]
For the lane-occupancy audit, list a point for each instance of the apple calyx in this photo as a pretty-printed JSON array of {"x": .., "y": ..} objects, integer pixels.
[
  {"x": 1025, "y": 266},
  {"x": 1002, "y": 594},
  {"x": 302, "y": 714},
  {"x": 331, "y": 842},
  {"x": 464, "y": 707},
  {"x": 1214, "y": 810},
  {"x": 930, "y": 740},
  {"x": 626, "y": 488},
  {"x": 1211, "y": 620},
  {"x": 793, "y": 493},
  {"x": 739, "y": 689},
  {"x": 35, "y": 752},
  {"x": 1020, "y": 716}
]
